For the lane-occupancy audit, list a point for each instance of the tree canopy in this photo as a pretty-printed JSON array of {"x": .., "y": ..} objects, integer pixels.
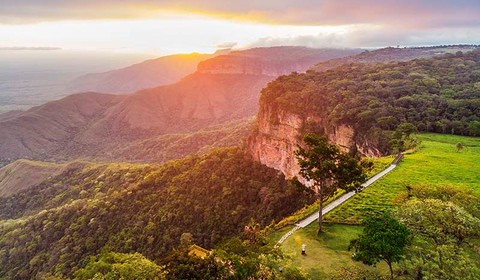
[
  {"x": 116, "y": 266},
  {"x": 123, "y": 208},
  {"x": 440, "y": 94},
  {"x": 383, "y": 239},
  {"x": 445, "y": 224}
]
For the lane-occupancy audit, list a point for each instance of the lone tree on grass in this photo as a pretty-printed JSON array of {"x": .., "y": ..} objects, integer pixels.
[
  {"x": 383, "y": 238},
  {"x": 328, "y": 169}
]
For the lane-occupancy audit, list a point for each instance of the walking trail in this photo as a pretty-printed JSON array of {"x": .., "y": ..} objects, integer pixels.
[{"x": 314, "y": 217}]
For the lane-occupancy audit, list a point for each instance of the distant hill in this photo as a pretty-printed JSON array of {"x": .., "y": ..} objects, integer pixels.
[
  {"x": 43, "y": 130},
  {"x": 21, "y": 175},
  {"x": 151, "y": 73},
  {"x": 391, "y": 54},
  {"x": 99, "y": 126},
  {"x": 94, "y": 125}
]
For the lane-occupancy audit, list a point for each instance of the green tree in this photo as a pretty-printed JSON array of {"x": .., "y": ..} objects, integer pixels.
[
  {"x": 327, "y": 169},
  {"x": 252, "y": 231},
  {"x": 120, "y": 266},
  {"x": 407, "y": 129},
  {"x": 474, "y": 128},
  {"x": 186, "y": 240},
  {"x": 246, "y": 260},
  {"x": 383, "y": 238},
  {"x": 443, "y": 222},
  {"x": 403, "y": 138},
  {"x": 443, "y": 231},
  {"x": 180, "y": 265}
]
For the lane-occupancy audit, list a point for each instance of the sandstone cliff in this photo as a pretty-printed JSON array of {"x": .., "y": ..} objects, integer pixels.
[
  {"x": 273, "y": 61},
  {"x": 279, "y": 132}
]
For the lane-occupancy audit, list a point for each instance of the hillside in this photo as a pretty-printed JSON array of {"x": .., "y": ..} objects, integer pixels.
[
  {"x": 147, "y": 74},
  {"x": 358, "y": 106},
  {"x": 178, "y": 145},
  {"x": 57, "y": 225},
  {"x": 43, "y": 130},
  {"x": 166, "y": 70},
  {"x": 96, "y": 126},
  {"x": 24, "y": 174}
]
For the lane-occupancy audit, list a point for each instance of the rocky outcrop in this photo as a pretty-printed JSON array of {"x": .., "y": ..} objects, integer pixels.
[
  {"x": 279, "y": 132},
  {"x": 275, "y": 139},
  {"x": 273, "y": 61},
  {"x": 230, "y": 64}
]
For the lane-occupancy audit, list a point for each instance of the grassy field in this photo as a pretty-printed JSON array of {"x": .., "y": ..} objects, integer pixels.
[
  {"x": 437, "y": 162},
  {"x": 326, "y": 253}
]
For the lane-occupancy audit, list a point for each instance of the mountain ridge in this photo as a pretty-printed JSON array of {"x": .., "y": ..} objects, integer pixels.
[
  {"x": 92, "y": 125},
  {"x": 391, "y": 54},
  {"x": 147, "y": 74}
]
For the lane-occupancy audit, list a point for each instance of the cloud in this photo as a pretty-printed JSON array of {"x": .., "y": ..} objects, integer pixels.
[
  {"x": 226, "y": 45},
  {"x": 399, "y": 13},
  {"x": 313, "y": 41},
  {"x": 353, "y": 23},
  {"x": 371, "y": 36},
  {"x": 29, "y": 49}
]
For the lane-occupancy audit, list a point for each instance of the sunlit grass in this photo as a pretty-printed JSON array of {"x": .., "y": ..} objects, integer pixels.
[
  {"x": 326, "y": 253},
  {"x": 437, "y": 162}
]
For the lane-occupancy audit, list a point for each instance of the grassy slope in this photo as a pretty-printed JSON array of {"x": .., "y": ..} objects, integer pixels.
[
  {"x": 326, "y": 253},
  {"x": 436, "y": 163},
  {"x": 23, "y": 174}
]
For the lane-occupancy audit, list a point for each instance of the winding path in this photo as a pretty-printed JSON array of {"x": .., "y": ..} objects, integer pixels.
[{"x": 314, "y": 217}]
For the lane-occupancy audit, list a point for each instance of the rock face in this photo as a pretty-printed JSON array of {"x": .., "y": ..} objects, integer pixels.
[
  {"x": 274, "y": 142},
  {"x": 279, "y": 133},
  {"x": 273, "y": 61},
  {"x": 249, "y": 66}
]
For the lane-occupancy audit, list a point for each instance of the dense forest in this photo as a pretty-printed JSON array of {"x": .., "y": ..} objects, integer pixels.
[
  {"x": 440, "y": 94},
  {"x": 56, "y": 227}
]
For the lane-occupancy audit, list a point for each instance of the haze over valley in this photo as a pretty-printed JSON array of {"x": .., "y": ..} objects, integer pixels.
[{"x": 32, "y": 77}]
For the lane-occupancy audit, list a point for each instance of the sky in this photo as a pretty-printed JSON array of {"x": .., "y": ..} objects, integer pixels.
[{"x": 183, "y": 26}]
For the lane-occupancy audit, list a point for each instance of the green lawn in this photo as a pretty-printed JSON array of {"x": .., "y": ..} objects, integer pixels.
[
  {"x": 325, "y": 254},
  {"x": 437, "y": 162}
]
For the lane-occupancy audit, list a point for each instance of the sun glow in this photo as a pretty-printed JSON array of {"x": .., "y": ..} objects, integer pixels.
[{"x": 179, "y": 33}]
